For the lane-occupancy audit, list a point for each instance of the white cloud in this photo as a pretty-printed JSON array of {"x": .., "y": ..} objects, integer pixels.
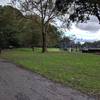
[
  {"x": 4, "y": 2},
  {"x": 89, "y": 31},
  {"x": 92, "y": 25},
  {"x": 83, "y": 35}
]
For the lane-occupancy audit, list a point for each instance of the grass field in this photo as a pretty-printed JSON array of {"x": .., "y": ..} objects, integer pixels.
[{"x": 77, "y": 70}]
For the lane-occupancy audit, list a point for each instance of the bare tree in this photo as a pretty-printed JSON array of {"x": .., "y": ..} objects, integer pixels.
[{"x": 45, "y": 9}]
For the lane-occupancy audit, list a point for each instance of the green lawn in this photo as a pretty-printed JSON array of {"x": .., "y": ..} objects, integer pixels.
[{"x": 80, "y": 71}]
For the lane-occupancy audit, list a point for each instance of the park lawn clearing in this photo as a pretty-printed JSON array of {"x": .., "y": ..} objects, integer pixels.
[{"x": 77, "y": 70}]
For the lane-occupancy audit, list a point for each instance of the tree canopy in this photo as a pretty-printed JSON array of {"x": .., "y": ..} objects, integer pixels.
[
  {"x": 80, "y": 10},
  {"x": 18, "y": 30}
]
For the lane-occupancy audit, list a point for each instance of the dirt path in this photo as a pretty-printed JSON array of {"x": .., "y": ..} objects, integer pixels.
[{"x": 19, "y": 84}]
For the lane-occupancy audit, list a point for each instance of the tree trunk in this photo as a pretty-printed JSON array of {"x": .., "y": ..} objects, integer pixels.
[
  {"x": 32, "y": 48},
  {"x": 44, "y": 37},
  {"x": 44, "y": 42},
  {"x": 0, "y": 50}
]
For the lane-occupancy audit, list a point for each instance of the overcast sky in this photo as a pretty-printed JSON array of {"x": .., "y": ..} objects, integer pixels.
[
  {"x": 89, "y": 31},
  {"x": 83, "y": 32},
  {"x": 3, "y": 2}
]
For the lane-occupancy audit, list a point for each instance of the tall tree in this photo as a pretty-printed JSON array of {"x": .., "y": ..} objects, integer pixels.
[
  {"x": 45, "y": 9},
  {"x": 18, "y": 30}
]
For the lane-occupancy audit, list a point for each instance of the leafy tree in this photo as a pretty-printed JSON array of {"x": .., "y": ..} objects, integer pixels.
[
  {"x": 80, "y": 10},
  {"x": 8, "y": 26},
  {"x": 48, "y": 10},
  {"x": 45, "y": 9},
  {"x": 18, "y": 30},
  {"x": 29, "y": 33}
]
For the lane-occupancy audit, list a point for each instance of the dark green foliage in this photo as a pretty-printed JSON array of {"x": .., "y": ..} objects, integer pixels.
[
  {"x": 8, "y": 26},
  {"x": 18, "y": 30}
]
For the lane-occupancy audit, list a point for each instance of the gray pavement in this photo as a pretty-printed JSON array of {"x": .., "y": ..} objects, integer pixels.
[{"x": 20, "y": 84}]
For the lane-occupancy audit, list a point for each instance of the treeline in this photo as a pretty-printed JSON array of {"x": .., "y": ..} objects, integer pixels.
[
  {"x": 17, "y": 30},
  {"x": 95, "y": 44}
]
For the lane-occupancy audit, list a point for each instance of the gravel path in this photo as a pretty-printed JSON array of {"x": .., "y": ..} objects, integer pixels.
[{"x": 20, "y": 84}]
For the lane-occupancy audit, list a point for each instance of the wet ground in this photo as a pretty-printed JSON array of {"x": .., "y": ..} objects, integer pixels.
[{"x": 20, "y": 84}]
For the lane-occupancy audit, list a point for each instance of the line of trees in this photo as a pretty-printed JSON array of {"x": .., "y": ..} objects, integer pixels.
[
  {"x": 17, "y": 30},
  {"x": 48, "y": 10},
  {"x": 45, "y": 11},
  {"x": 95, "y": 44}
]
